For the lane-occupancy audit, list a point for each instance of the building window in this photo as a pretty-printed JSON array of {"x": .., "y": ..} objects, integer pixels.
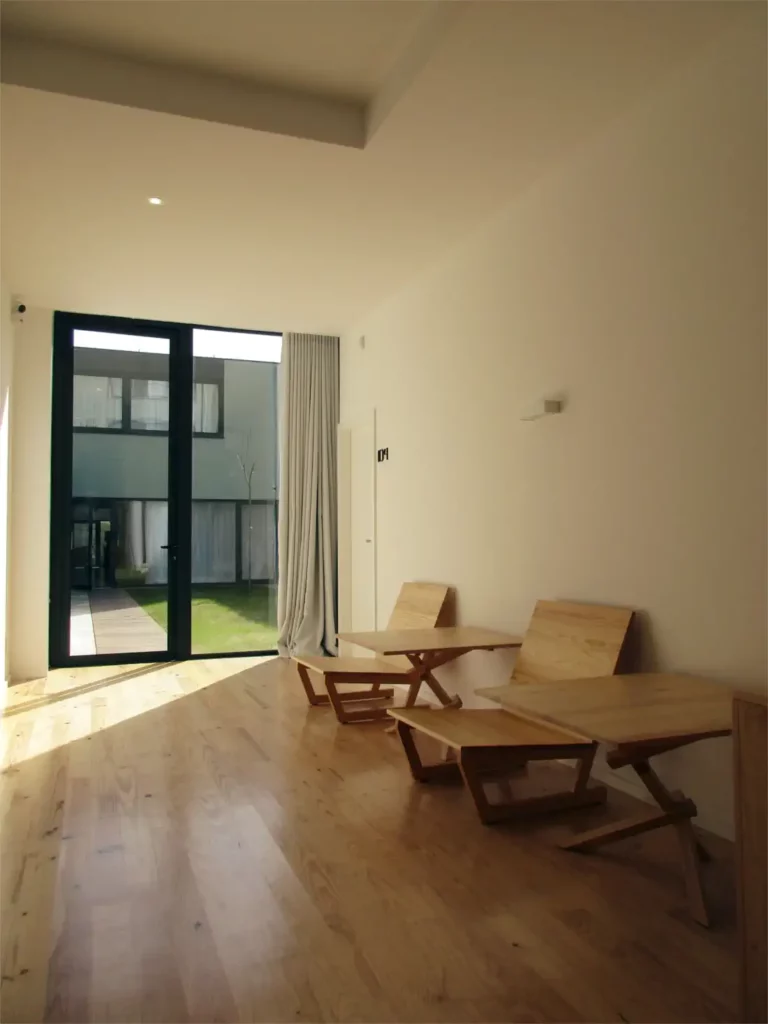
[
  {"x": 98, "y": 402},
  {"x": 205, "y": 409},
  {"x": 149, "y": 405}
]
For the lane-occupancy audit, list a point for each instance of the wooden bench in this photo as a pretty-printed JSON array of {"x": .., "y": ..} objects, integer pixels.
[
  {"x": 564, "y": 641},
  {"x": 418, "y": 606},
  {"x": 493, "y": 746}
]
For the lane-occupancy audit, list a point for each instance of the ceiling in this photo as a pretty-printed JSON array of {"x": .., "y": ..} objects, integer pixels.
[
  {"x": 267, "y": 231},
  {"x": 333, "y": 47}
]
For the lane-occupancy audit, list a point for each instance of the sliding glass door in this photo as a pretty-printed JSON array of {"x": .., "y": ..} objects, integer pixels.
[{"x": 164, "y": 476}]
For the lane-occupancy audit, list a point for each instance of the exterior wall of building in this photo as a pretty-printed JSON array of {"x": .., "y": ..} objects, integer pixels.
[{"x": 132, "y": 466}]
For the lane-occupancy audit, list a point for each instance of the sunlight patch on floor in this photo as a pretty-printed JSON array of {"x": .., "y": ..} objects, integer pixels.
[{"x": 83, "y": 701}]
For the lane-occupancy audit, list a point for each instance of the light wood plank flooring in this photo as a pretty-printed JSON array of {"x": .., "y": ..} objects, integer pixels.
[{"x": 193, "y": 843}]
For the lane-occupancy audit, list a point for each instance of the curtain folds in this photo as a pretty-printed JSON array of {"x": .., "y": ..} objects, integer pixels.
[
  {"x": 309, "y": 415},
  {"x": 213, "y": 542},
  {"x": 205, "y": 408}
]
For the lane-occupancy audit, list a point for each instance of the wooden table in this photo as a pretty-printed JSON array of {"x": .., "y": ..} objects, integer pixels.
[
  {"x": 428, "y": 649},
  {"x": 636, "y": 717}
]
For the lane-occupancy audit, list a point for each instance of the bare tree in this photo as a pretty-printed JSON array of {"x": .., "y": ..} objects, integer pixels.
[{"x": 248, "y": 466}]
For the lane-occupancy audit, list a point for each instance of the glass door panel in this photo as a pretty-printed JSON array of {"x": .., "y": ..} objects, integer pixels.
[
  {"x": 120, "y": 391},
  {"x": 80, "y": 551},
  {"x": 164, "y": 491},
  {"x": 234, "y": 492}
]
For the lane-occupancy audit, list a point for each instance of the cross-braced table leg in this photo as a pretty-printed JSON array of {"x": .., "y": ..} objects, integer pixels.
[
  {"x": 424, "y": 665},
  {"x": 675, "y": 810}
]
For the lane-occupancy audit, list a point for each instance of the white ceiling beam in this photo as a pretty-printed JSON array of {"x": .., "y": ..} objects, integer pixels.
[
  {"x": 412, "y": 61},
  {"x": 89, "y": 74}
]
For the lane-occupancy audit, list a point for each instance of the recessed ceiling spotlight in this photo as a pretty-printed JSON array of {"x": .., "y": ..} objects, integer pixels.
[{"x": 155, "y": 201}]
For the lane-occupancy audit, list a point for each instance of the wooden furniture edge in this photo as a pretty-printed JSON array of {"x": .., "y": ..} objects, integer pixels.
[
  {"x": 752, "y": 697},
  {"x": 476, "y": 765},
  {"x": 669, "y": 735},
  {"x": 568, "y": 737},
  {"x": 749, "y": 774},
  {"x": 375, "y": 666},
  {"x": 532, "y": 716},
  {"x": 457, "y": 651}
]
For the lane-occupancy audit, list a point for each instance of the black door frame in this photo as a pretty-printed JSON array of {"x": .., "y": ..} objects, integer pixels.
[{"x": 180, "y": 362}]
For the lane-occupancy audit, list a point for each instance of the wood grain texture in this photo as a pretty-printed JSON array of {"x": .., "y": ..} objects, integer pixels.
[
  {"x": 419, "y": 605},
  {"x": 562, "y": 640},
  {"x": 750, "y": 720},
  {"x": 566, "y": 640},
  {"x": 422, "y": 606},
  {"x": 638, "y": 716},
  {"x": 121, "y": 626},
  {"x": 353, "y": 666},
  {"x": 450, "y": 638},
  {"x": 624, "y": 709},
  {"x": 495, "y": 748},
  {"x": 477, "y": 728},
  {"x": 193, "y": 843}
]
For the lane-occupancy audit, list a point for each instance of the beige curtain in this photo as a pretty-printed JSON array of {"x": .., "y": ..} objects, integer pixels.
[{"x": 309, "y": 414}]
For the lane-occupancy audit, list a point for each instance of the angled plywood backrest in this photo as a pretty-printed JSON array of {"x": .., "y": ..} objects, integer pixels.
[
  {"x": 565, "y": 640},
  {"x": 421, "y": 606}
]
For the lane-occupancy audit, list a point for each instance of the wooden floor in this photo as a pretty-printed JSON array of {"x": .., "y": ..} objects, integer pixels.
[{"x": 193, "y": 843}]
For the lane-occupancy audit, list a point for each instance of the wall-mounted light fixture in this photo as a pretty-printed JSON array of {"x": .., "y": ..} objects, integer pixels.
[{"x": 545, "y": 407}]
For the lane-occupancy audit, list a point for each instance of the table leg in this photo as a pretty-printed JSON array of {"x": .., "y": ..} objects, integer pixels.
[
  {"x": 423, "y": 665},
  {"x": 446, "y": 771},
  {"x": 416, "y": 677},
  {"x": 688, "y": 848},
  {"x": 675, "y": 810},
  {"x": 314, "y": 698}
]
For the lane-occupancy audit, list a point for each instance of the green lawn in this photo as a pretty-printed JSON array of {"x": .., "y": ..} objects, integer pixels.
[{"x": 225, "y": 618}]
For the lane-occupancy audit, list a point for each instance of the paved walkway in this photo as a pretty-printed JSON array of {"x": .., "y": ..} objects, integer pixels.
[
  {"x": 117, "y": 625},
  {"x": 81, "y": 638}
]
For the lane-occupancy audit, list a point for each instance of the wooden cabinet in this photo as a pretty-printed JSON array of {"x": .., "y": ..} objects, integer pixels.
[{"x": 750, "y": 722}]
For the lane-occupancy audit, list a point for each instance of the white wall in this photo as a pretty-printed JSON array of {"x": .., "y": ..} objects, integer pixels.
[
  {"x": 30, "y": 496},
  {"x": 632, "y": 281},
  {"x": 6, "y": 372}
]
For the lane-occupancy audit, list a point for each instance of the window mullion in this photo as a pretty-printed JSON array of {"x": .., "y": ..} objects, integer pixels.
[{"x": 126, "y": 403}]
